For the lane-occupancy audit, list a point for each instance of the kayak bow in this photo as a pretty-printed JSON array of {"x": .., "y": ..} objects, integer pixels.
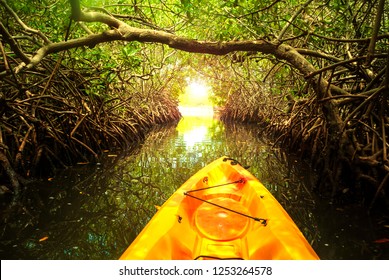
[{"x": 221, "y": 212}]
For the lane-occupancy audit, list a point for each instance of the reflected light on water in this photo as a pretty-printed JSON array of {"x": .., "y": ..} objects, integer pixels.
[
  {"x": 197, "y": 135},
  {"x": 194, "y": 125}
]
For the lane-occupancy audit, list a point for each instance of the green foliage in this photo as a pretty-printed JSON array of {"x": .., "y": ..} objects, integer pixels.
[
  {"x": 55, "y": 16},
  {"x": 147, "y": 67}
]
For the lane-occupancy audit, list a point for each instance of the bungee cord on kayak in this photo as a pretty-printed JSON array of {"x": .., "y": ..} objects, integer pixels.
[{"x": 188, "y": 193}]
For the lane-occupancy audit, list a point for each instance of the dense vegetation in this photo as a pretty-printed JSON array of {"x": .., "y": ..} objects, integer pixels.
[{"x": 98, "y": 74}]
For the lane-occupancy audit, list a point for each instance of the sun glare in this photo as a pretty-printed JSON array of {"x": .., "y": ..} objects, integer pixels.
[
  {"x": 197, "y": 90},
  {"x": 195, "y": 98},
  {"x": 196, "y": 93}
]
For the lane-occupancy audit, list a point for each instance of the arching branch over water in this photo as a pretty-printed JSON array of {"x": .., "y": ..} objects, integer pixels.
[{"x": 121, "y": 31}]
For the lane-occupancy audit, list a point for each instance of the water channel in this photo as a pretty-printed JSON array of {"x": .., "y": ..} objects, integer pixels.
[{"x": 94, "y": 211}]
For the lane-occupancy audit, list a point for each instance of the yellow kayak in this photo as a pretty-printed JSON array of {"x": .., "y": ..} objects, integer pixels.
[{"x": 221, "y": 212}]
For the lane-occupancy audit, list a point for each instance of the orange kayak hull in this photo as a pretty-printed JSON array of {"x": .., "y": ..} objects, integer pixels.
[{"x": 221, "y": 212}]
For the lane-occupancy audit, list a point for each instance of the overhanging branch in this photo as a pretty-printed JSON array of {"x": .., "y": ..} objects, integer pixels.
[
  {"x": 127, "y": 33},
  {"x": 121, "y": 31}
]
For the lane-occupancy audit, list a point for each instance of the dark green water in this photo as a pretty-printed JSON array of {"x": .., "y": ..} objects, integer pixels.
[{"x": 95, "y": 211}]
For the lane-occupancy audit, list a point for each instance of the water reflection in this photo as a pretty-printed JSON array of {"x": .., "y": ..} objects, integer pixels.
[
  {"x": 195, "y": 126},
  {"x": 94, "y": 212}
]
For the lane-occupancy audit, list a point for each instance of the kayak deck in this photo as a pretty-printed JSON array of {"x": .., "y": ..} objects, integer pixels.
[{"x": 221, "y": 212}]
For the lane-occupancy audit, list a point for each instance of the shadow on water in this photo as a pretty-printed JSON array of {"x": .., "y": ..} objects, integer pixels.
[{"x": 95, "y": 211}]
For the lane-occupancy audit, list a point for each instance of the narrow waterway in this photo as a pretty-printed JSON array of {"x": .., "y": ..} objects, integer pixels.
[{"x": 94, "y": 211}]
